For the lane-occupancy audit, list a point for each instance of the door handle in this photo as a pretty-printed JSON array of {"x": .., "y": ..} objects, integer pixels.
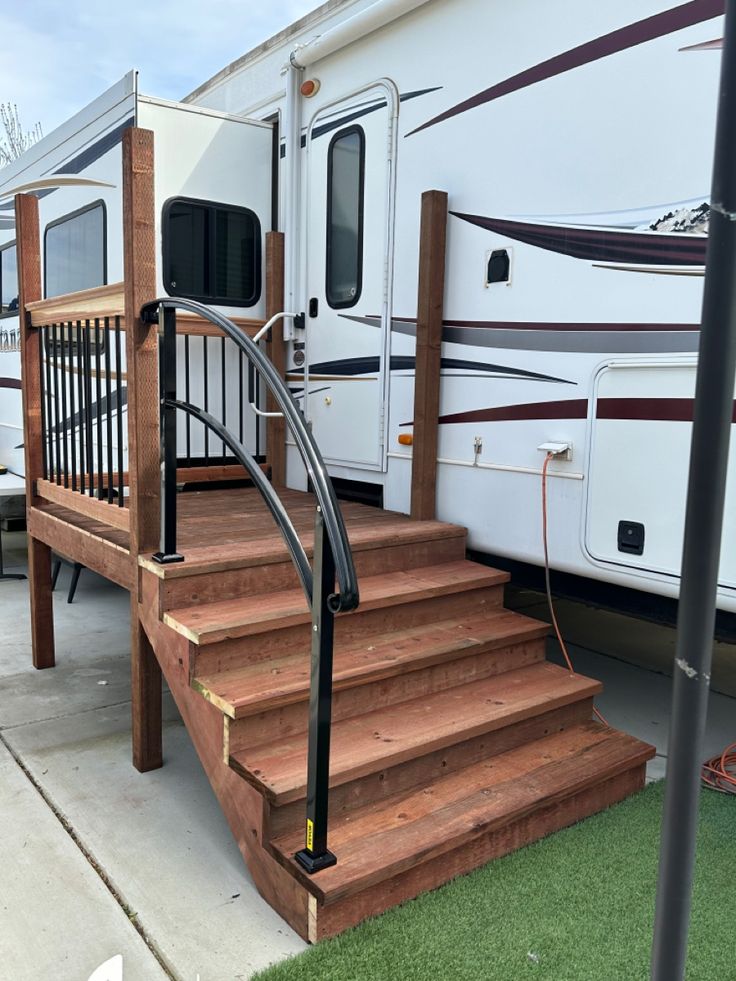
[{"x": 313, "y": 306}]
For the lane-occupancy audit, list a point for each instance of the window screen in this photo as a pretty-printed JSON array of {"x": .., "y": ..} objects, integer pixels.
[
  {"x": 212, "y": 252},
  {"x": 74, "y": 251},
  {"x": 345, "y": 171},
  {"x": 8, "y": 280}
]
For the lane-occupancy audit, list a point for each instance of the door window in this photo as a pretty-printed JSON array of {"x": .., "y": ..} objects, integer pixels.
[{"x": 345, "y": 182}]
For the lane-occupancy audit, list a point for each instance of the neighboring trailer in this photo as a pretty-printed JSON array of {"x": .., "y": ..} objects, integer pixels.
[{"x": 575, "y": 144}]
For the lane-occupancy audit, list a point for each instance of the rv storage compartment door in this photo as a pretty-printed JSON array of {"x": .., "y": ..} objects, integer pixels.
[{"x": 639, "y": 458}]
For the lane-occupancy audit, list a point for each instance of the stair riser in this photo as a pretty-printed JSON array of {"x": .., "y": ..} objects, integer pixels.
[
  {"x": 181, "y": 591},
  {"x": 229, "y": 654},
  {"x": 281, "y": 723},
  {"x": 422, "y": 770},
  {"x": 326, "y": 921}
]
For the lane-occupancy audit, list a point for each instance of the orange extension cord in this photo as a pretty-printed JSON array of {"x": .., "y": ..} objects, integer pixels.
[
  {"x": 563, "y": 646},
  {"x": 719, "y": 773}
]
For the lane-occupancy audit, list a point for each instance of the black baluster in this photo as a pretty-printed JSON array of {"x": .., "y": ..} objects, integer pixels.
[
  {"x": 119, "y": 414},
  {"x": 72, "y": 406},
  {"x": 187, "y": 396},
  {"x": 57, "y": 420},
  {"x": 108, "y": 398},
  {"x": 89, "y": 435},
  {"x": 49, "y": 416},
  {"x": 224, "y": 392},
  {"x": 206, "y": 398},
  {"x": 64, "y": 418},
  {"x": 240, "y": 397},
  {"x": 80, "y": 392},
  {"x": 42, "y": 385},
  {"x": 98, "y": 413}
]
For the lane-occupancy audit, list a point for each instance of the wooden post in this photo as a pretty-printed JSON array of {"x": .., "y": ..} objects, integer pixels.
[
  {"x": 39, "y": 554},
  {"x": 428, "y": 354},
  {"x": 275, "y": 428},
  {"x": 139, "y": 241}
]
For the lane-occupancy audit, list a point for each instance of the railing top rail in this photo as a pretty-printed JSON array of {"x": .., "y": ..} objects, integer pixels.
[{"x": 348, "y": 596}]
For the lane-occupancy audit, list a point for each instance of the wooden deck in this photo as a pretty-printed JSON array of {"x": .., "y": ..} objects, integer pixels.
[{"x": 220, "y": 530}]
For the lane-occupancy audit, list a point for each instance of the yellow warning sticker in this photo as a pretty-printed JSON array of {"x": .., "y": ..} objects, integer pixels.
[{"x": 310, "y": 834}]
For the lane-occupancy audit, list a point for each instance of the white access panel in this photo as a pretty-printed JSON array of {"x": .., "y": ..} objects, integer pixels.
[{"x": 639, "y": 455}]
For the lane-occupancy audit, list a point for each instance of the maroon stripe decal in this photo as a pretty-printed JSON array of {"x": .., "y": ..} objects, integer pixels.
[
  {"x": 648, "y": 29},
  {"x": 563, "y": 409},
  {"x": 600, "y": 244},
  {"x": 529, "y": 325},
  {"x": 10, "y": 383},
  {"x": 648, "y": 410}
]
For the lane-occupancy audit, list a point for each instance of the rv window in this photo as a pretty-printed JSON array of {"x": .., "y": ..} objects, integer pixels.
[
  {"x": 74, "y": 256},
  {"x": 8, "y": 281},
  {"x": 212, "y": 252},
  {"x": 345, "y": 174}
]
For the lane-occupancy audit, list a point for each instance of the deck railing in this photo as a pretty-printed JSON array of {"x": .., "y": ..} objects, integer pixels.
[
  {"x": 83, "y": 395},
  {"x": 332, "y": 555}
]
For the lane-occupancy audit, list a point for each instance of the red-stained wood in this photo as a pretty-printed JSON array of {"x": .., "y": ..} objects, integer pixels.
[
  {"x": 139, "y": 240},
  {"x": 327, "y": 921},
  {"x": 92, "y": 507},
  {"x": 430, "y": 302},
  {"x": 39, "y": 554},
  {"x": 482, "y": 799},
  {"x": 81, "y": 539},
  {"x": 276, "y": 349},
  {"x": 139, "y": 262},
  {"x": 245, "y": 616},
  {"x": 389, "y": 737},
  {"x": 263, "y": 685},
  {"x": 146, "y": 682}
]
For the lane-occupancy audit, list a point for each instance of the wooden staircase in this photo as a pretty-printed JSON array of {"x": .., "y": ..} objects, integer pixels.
[{"x": 453, "y": 740}]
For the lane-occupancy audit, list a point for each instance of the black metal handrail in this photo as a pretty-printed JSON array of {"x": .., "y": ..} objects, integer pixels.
[
  {"x": 332, "y": 555},
  {"x": 348, "y": 596}
]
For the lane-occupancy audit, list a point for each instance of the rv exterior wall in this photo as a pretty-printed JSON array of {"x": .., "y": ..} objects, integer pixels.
[{"x": 580, "y": 147}]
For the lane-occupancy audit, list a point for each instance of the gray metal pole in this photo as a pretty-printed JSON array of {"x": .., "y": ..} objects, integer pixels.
[{"x": 713, "y": 413}]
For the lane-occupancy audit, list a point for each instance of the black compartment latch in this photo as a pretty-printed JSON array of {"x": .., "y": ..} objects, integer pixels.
[{"x": 631, "y": 537}]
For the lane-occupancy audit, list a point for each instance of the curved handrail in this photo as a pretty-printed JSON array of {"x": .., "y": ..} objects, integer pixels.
[
  {"x": 348, "y": 596},
  {"x": 258, "y": 477}
]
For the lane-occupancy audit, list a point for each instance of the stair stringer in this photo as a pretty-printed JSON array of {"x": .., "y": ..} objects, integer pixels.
[{"x": 241, "y": 804}]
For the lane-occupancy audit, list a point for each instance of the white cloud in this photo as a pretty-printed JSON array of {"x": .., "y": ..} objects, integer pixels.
[{"x": 57, "y": 57}]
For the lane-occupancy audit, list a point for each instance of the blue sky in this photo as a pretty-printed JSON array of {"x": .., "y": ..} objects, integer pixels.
[{"x": 58, "y": 55}]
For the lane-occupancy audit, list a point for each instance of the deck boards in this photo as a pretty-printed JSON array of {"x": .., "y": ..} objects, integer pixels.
[
  {"x": 223, "y": 529},
  {"x": 387, "y": 737}
]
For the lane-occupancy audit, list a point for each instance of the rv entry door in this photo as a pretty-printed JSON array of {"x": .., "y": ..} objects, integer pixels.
[{"x": 350, "y": 147}]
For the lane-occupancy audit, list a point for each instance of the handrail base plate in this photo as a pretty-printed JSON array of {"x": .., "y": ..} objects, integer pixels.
[{"x": 315, "y": 863}]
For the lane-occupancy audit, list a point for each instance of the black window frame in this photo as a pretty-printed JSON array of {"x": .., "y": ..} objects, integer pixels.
[
  {"x": 344, "y": 304},
  {"x": 99, "y": 203},
  {"x": 165, "y": 251},
  {"x": 4, "y": 248}
]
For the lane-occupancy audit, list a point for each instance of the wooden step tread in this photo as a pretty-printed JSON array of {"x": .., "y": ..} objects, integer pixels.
[
  {"x": 248, "y": 615},
  {"x": 270, "y": 548},
  {"x": 389, "y": 736},
  {"x": 269, "y": 684},
  {"x": 384, "y": 839}
]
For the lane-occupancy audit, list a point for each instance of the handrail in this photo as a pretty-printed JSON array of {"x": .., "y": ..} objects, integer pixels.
[
  {"x": 348, "y": 596},
  {"x": 241, "y": 454}
]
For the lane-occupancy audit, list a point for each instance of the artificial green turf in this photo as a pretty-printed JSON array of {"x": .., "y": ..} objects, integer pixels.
[{"x": 577, "y": 906}]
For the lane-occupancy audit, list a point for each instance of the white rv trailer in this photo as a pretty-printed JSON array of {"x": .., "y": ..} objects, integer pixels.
[{"x": 574, "y": 141}]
